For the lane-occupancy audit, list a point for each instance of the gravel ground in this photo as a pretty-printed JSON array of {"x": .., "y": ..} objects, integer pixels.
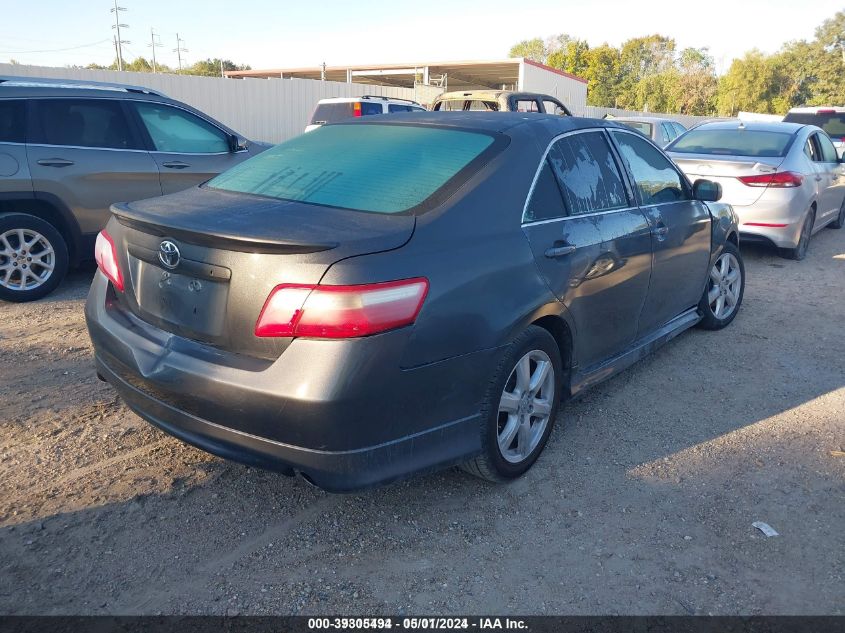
[{"x": 642, "y": 502}]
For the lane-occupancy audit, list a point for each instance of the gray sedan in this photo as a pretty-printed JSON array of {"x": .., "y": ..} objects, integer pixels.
[
  {"x": 661, "y": 131},
  {"x": 784, "y": 180}
]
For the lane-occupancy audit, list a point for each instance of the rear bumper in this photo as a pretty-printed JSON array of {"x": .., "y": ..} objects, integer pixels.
[
  {"x": 787, "y": 207},
  {"x": 342, "y": 413}
]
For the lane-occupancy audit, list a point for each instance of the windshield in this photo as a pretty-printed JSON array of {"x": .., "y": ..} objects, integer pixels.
[
  {"x": 639, "y": 126},
  {"x": 378, "y": 168},
  {"x": 734, "y": 142},
  {"x": 831, "y": 122}
]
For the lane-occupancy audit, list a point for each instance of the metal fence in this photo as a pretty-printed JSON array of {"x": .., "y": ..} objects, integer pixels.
[
  {"x": 599, "y": 113},
  {"x": 270, "y": 110}
]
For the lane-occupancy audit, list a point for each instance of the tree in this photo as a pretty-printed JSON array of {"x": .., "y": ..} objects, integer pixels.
[
  {"x": 534, "y": 49},
  {"x": 642, "y": 57},
  {"x": 602, "y": 75},
  {"x": 695, "y": 88},
  {"x": 571, "y": 57},
  {"x": 212, "y": 67}
]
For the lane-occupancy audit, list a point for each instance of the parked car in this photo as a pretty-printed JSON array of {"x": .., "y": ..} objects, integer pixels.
[
  {"x": 69, "y": 149},
  {"x": 339, "y": 108},
  {"x": 661, "y": 131},
  {"x": 784, "y": 180},
  {"x": 408, "y": 314},
  {"x": 829, "y": 118},
  {"x": 499, "y": 101}
]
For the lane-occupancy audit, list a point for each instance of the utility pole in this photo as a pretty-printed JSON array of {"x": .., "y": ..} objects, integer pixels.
[
  {"x": 154, "y": 44},
  {"x": 179, "y": 50},
  {"x": 221, "y": 68},
  {"x": 118, "y": 43},
  {"x": 323, "y": 71}
]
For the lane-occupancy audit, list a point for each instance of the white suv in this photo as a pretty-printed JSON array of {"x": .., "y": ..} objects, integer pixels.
[
  {"x": 829, "y": 118},
  {"x": 339, "y": 108}
]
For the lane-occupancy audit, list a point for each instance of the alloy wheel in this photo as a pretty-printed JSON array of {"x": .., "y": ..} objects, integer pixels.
[
  {"x": 27, "y": 259},
  {"x": 725, "y": 286},
  {"x": 525, "y": 406}
]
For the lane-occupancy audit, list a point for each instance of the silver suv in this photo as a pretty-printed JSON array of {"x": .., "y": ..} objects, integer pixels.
[{"x": 68, "y": 150}]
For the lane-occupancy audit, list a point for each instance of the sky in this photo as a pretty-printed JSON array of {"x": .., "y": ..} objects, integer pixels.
[{"x": 283, "y": 34}]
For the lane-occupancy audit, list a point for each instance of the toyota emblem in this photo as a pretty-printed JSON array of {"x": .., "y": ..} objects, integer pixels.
[{"x": 168, "y": 254}]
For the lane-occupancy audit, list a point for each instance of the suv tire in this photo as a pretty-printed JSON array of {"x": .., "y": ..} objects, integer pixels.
[{"x": 33, "y": 257}]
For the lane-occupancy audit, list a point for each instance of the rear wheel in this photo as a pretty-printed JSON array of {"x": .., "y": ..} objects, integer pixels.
[
  {"x": 520, "y": 407},
  {"x": 33, "y": 257},
  {"x": 800, "y": 251},
  {"x": 725, "y": 289},
  {"x": 839, "y": 222}
]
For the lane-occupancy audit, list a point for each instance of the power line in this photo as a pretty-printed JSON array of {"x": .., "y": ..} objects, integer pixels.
[
  {"x": 179, "y": 50},
  {"x": 55, "y": 50},
  {"x": 118, "y": 43},
  {"x": 154, "y": 44}
]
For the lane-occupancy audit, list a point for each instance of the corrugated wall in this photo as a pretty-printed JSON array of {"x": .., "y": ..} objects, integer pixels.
[
  {"x": 270, "y": 110},
  {"x": 570, "y": 91},
  {"x": 275, "y": 110}
]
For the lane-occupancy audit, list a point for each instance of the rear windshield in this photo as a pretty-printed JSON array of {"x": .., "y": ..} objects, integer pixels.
[
  {"x": 639, "y": 126},
  {"x": 833, "y": 122},
  {"x": 334, "y": 112},
  {"x": 734, "y": 142},
  {"x": 378, "y": 168}
]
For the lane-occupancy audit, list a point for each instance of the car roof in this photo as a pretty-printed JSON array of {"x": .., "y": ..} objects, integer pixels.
[
  {"x": 817, "y": 109},
  {"x": 512, "y": 123},
  {"x": 643, "y": 119},
  {"x": 39, "y": 86},
  {"x": 372, "y": 98},
  {"x": 761, "y": 126}
]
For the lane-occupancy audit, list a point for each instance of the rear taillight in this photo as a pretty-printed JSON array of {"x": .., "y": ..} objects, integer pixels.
[
  {"x": 356, "y": 108},
  {"x": 825, "y": 111},
  {"x": 106, "y": 255},
  {"x": 779, "y": 179},
  {"x": 341, "y": 311}
]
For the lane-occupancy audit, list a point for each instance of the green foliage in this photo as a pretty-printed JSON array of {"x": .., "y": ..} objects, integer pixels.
[
  {"x": 534, "y": 50},
  {"x": 212, "y": 67},
  {"x": 647, "y": 73}
]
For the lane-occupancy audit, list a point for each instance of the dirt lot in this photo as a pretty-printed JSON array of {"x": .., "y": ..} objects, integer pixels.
[{"x": 642, "y": 502}]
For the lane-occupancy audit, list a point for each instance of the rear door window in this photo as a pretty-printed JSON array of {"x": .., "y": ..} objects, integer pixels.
[
  {"x": 96, "y": 123},
  {"x": 554, "y": 108},
  {"x": 587, "y": 174},
  {"x": 680, "y": 129},
  {"x": 398, "y": 107},
  {"x": 668, "y": 132},
  {"x": 656, "y": 179},
  {"x": 546, "y": 202},
  {"x": 482, "y": 106},
  {"x": 450, "y": 105},
  {"x": 640, "y": 126},
  {"x": 829, "y": 154},
  {"x": 12, "y": 121},
  {"x": 178, "y": 131}
]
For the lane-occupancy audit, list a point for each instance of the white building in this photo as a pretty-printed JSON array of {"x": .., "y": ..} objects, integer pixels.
[{"x": 431, "y": 78}]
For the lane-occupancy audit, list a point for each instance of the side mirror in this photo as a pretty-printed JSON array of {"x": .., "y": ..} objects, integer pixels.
[
  {"x": 707, "y": 190},
  {"x": 236, "y": 143}
]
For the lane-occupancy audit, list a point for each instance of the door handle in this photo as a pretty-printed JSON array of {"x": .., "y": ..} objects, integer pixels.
[
  {"x": 559, "y": 251},
  {"x": 660, "y": 232},
  {"x": 54, "y": 162},
  {"x": 176, "y": 164}
]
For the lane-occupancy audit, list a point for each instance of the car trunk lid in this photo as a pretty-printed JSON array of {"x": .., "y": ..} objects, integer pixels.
[
  {"x": 200, "y": 264},
  {"x": 726, "y": 170}
]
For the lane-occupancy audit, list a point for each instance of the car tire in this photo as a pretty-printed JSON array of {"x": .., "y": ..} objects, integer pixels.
[
  {"x": 512, "y": 435},
  {"x": 31, "y": 269},
  {"x": 800, "y": 251},
  {"x": 839, "y": 222},
  {"x": 725, "y": 288}
]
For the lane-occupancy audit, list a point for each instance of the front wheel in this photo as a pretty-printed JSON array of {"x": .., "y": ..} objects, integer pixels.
[
  {"x": 520, "y": 406},
  {"x": 33, "y": 257},
  {"x": 725, "y": 288}
]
